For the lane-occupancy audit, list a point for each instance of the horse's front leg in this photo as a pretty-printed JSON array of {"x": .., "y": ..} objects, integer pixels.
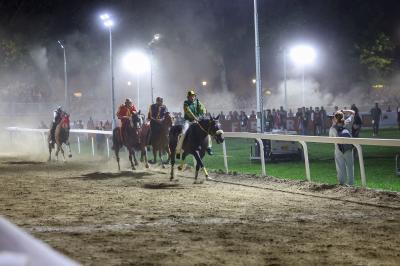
[
  {"x": 134, "y": 156},
  {"x": 200, "y": 164},
  {"x": 69, "y": 150},
  {"x": 161, "y": 160},
  {"x": 132, "y": 153},
  {"x": 62, "y": 152},
  {"x": 116, "y": 150},
  {"x": 154, "y": 154},
  {"x": 50, "y": 148},
  {"x": 144, "y": 154},
  {"x": 57, "y": 151}
]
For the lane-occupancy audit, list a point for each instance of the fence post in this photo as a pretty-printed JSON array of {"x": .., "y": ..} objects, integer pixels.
[
  {"x": 261, "y": 144},
  {"x": 92, "y": 146},
  {"x": 79, "y": 145},
  {"x": 362, "y": 168},
  {"x": 306, "y": 162},
  {"x": 108, "y": 147},
  {"x": 225, "y": 157}
]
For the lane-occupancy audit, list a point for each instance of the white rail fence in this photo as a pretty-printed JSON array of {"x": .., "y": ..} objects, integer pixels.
[{"x": 303, "y": 140}]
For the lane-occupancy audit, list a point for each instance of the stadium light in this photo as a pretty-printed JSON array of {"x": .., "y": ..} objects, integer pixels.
[
  {"x": 155, "y": 39},
  {"x": 136, "y": 63},
  {"x": 204, "y": 83},
  {"x": 109, "y": 24},
  {"x": 302, "y": 56},
  {"x": 66, "y": 98}
]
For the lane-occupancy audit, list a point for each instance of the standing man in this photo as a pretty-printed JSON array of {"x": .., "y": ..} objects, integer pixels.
[
  {"x": 344, "y": 158},
  {"x": 283, "y": 116},
  {"x": 376, "y": 114},
  {"x": 193, "y": 110},
  {"x": 323, "y": 120}
]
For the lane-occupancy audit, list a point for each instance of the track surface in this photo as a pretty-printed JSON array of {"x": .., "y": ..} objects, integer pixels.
[{"x": 98, "y": 216}]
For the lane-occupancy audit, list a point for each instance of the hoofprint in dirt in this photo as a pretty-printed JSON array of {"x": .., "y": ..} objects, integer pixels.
[{"x": 100, "y": 216}]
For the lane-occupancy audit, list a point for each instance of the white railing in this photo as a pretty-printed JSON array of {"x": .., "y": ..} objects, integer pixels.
[
  {"x": 357, "y": 142},
  {"x": 78, "y": 131}
]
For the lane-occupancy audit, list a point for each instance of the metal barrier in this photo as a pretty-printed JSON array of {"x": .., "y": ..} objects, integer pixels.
[
  {"x": 303, "y": 140},
  {"x": 357, "y": 142}
]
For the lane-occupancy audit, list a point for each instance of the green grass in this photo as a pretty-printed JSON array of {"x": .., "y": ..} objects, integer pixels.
[{"x": 379, "y": 162}]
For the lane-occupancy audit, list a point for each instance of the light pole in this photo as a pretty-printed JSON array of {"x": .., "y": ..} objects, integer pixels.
[
  {"x": 66, "y": 100},
  {"x": 136, "y": 63},
  {"x": 155, "y": 39},
  {"x": 109, "y": 23},
  {"x": 302, "y": 55},
  {"x": 285, "y": 78},
  {"x": 260, "y": 127}
]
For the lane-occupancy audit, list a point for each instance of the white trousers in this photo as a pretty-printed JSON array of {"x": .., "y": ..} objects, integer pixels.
[{"x": 344, "y": 166}]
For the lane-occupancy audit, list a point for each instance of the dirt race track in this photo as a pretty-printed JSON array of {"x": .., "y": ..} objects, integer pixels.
[{"x": 99, "y": 216}]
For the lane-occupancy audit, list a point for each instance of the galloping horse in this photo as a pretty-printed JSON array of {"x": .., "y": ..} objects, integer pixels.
[
  {"x": 61, "y": 135},
  {"x": 195, "y": 142},
  {"x": 159, "y": 138},
  {"x": 133, "y": 138}
]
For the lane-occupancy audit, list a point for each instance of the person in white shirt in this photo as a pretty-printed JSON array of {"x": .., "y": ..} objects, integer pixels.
[{"x": 344, "y": 160}]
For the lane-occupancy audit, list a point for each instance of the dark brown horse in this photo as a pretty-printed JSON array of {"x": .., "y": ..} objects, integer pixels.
[
  {"x": 159, "y": 138},
  {"x": 195, "y": 142},
  {"x": 134, "y": 137},
  {"x": 61, "y": 135}
]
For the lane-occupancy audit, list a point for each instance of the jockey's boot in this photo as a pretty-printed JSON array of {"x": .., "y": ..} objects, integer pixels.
[{"x": 179, "y": 145}]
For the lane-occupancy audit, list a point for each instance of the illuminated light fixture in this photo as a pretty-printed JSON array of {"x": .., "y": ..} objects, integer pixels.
[
  {"x": 378, "y": 86},
  {"x": 129, "y": 83},
  {"x": 204, "y": 83},
  {"x": 78, "y": 94},
  {"x": 303, "y": 55},
  {"x": 254, "y": 81},
  {"x": 136, "y": 62}
]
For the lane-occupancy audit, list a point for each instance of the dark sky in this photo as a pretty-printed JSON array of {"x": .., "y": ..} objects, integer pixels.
[{"x": 201, "y": 38}]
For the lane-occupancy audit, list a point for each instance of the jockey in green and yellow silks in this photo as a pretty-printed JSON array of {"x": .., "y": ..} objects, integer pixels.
[{"x": 193, "y": 110}]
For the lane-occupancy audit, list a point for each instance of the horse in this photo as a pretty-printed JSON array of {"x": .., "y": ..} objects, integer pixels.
[
  {"x": 159, "y": 138},
  {"x": 134, "y": 138},
  {"x": 195, "y": 142},
  {"x": 61, "y": 135}
]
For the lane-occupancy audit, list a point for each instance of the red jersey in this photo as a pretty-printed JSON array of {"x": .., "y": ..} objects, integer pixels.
[{"x": 125, "y": 111}]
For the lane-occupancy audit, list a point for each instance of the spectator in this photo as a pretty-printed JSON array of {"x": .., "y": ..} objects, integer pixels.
[
  {"x": 222, "y": 116},
  {"x": 356, "y": 128},
  {"x": 253, "y": 115},
  {"x": 243, "y": 119},
  {"x": 336, "y": 109},
  {"x": 389, "y": 109},
  {"x": 283, "y": 118},
  {"x": 277, "y": 119},
  {"x": 90, "y": 124},
  {"x": 317, "y": 122},
  {"x": 42, "y": 125},
  {"x": 304, "y": 121},
  {"x": 107, "y": 125},
  {"x": 290, "y": 114},
  {"x": 80, "y": 125},
  {"x": 323, "y": 120},
  {"x": 398, "y": 116},
  {"x": 344, "y": 159},
  {"x": 269, "y": 121},
  {"x": 376, "y": 114}
]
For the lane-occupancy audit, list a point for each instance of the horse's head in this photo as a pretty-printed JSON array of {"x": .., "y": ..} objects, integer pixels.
[
  {"x": 213, "y": 127},
  {"x": 168, "y": 119},
  {"x": 136, "y": 120},
  {"x": 64, "y": 123}
]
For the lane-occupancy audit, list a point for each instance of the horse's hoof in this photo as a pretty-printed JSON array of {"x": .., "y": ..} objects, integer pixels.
[
  {"x": 136, "y": 163},
  {"x": 163, "y": 166},
  {"x": 70, "y": 156},
  {"x": 209, "y": 178},
  {"x": 180, "y": 168},
  {"x": 147, "y": 166}
]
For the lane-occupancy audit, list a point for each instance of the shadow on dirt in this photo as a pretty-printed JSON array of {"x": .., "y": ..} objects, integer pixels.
[
  {"x": 22, "y": 162},
  {"x": 105, "y": 176},
  {"x": 163, "y": 186}
]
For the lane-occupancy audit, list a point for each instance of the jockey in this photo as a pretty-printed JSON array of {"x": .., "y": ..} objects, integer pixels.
[
  {"x": 157, "y": 111},
  {"x": 193, "y": 110},
  {"x": 57, "y": 116},
  {"x": 125, "y": 112}
]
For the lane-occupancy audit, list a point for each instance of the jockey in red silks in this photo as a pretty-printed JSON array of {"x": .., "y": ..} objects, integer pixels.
[{"x": 125, "y": 112}]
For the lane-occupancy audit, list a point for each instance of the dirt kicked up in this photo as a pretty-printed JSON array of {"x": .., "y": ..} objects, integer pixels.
[{"x": 99, "y": 216}]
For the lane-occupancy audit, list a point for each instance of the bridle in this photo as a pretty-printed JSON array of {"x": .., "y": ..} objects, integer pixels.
[{"x": 218, "y": 132}]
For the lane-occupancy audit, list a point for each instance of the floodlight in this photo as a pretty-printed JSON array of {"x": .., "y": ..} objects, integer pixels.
[{"x": 302, "y": 55}]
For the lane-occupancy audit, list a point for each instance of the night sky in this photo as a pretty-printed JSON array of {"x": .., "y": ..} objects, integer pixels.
[{"x": 202, "y": 40}]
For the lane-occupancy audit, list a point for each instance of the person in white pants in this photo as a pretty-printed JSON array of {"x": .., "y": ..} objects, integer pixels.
[{"x": 344, "y": 160}]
